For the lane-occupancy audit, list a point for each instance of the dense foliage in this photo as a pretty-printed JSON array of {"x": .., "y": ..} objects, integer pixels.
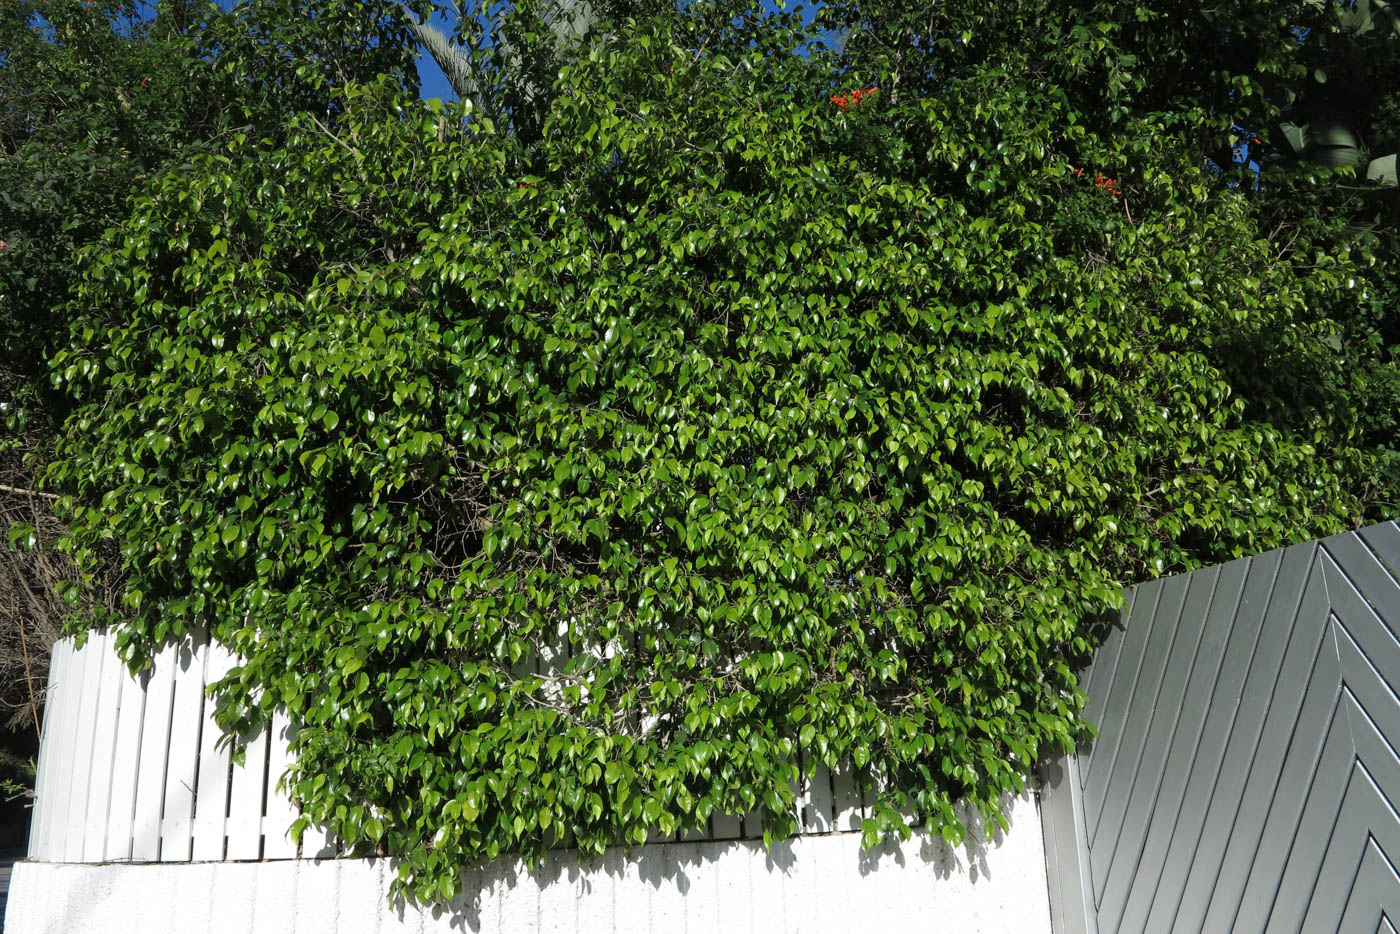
[
  {"x": 574, "y": 486},
  {"x": 1215, "y": 84},
  {"x": 85, "y": 113},
  {"x": 94, "y": 97},
  {"x": 97, "y": 96},
  {"x": 91, "y": 101}
]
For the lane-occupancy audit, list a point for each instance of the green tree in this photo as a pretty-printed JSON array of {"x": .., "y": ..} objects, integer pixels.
[
  {"x": 97, "y": 97},
  {"x": 770, "y": 423},
  {"x": 1352, "y": 87},
  {"x": 92, "y": 101},
  {"x": 1191, "y": 76}
]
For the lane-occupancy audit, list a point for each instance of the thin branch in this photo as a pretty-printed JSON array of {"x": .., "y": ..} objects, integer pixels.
[
  {"x": 29, "y": 682},
  {"x": 326, "y": 130},
  {"x": 23, "y": 492}
]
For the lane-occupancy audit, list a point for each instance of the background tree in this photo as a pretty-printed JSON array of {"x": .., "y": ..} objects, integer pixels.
[
  {"x": 1352, "y": 88},
  {"x": 92, "y": 100},
  {"x": 1204, "y": 78}
]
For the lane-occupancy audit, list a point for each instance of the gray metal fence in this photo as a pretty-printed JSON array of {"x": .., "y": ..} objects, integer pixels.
[{"x": 1246, "y": 776}]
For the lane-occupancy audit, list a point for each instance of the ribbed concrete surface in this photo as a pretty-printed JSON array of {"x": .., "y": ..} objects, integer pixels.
[{"x": 811, "y": 884}]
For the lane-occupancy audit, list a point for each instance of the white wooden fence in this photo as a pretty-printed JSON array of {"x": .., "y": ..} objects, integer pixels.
[{"x": 135, "y": 770}]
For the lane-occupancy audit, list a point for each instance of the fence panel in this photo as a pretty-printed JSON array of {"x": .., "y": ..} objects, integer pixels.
[
  {"x": 1245, "y": 769},
  {"x": 104, "y": 748},
  {"x": 75, "y": 822},
  {"x": 277, "y": 840},
  {"x": 211, "y": 790},
  {"x": 182, "y": 767},
  {"x": 135, "y": 769},
  {"x": 151, "y": 757},
  {"x": 121, "y": 801}
]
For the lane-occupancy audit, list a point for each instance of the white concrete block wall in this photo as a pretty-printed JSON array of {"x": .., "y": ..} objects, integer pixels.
[{"x": 814, "y": 884}]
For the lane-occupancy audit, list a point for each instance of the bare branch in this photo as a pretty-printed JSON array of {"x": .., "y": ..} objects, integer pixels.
[{"x": 20, "y": 491}]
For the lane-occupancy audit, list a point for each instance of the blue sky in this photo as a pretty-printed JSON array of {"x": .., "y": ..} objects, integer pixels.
[
  {"x": 432, "y": 82},
  {"x": 431, "y": 79}
]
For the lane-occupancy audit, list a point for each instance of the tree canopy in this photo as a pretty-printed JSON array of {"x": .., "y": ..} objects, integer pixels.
[{"x": 613, "y": 459}]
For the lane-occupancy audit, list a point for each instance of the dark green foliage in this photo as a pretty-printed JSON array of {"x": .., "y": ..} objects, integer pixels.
[
  {"x": 85, "y": 113},
  {"x": 95, "y": 99},
  {"x": 92, "y": 100},
  {"x": 1200, "y": 79},
  {"x": 274, "y": 58},
  {"x": 790, "y": 429}
]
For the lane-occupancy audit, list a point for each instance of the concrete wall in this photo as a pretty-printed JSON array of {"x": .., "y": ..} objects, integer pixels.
[{"x": 810, "y": 884}]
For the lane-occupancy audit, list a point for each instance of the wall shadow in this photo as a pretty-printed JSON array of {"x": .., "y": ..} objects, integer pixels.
[{"x": 680, "y": 866}]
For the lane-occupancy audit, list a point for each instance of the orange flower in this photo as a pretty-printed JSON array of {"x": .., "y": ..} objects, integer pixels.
[
  {"x": 842, "y": 101},
  {"x": 1104, "y": 181}
]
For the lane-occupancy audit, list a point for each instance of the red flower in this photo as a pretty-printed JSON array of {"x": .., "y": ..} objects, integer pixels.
[
  {"x": 842, "y": 101},
  {"x": 1104, "y": 181}
]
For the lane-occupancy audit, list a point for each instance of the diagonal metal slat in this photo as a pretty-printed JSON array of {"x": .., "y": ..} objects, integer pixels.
[
  {"x": 1246, "y": 773},
  {"x": 1157, "y": 887},
  {"x": 1181, "y": 676},
  {"x": 1112, "y": 722},
  {"x": 1338, "y": 874},
  {"x": 1127, "y": 750},
  {"x": 1293, "y": 712},
  {"x": 1384, "y": 542},
  {"x": 1283, "y": 897},
  {"x": 1373, "y": 894}
]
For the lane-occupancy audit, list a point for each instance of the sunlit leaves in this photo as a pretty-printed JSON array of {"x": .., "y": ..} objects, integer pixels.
[{"x": 598, "y": 487}]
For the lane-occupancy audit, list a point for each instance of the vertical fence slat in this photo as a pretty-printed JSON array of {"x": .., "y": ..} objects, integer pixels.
[
  {"x": 41, "y": 771},
  {"x": 316, "y": 844},
  {"x": 726, "y": 827},
  {"x": 182, "y": 764},
  {"x": 846, "y": 804},
  {"x": 84, "y": 728},
  {"x": 104, "y": 742},
  {"x": 150, "y": 774},
  {"x": 211, "y": 786},
  {"x": 753, "y": 824},
  {"x": 246, "y": 798},
  {"x": 698, "y": 834},
  {"x": 818, "y": 802},
  {"x": 126, "y": 763},
  {"x": 44, "y": 768},
  {"x": 136, "y": 771},
  {"x": 277, "y": 841},
  {"x": 57, "y": 733}
]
